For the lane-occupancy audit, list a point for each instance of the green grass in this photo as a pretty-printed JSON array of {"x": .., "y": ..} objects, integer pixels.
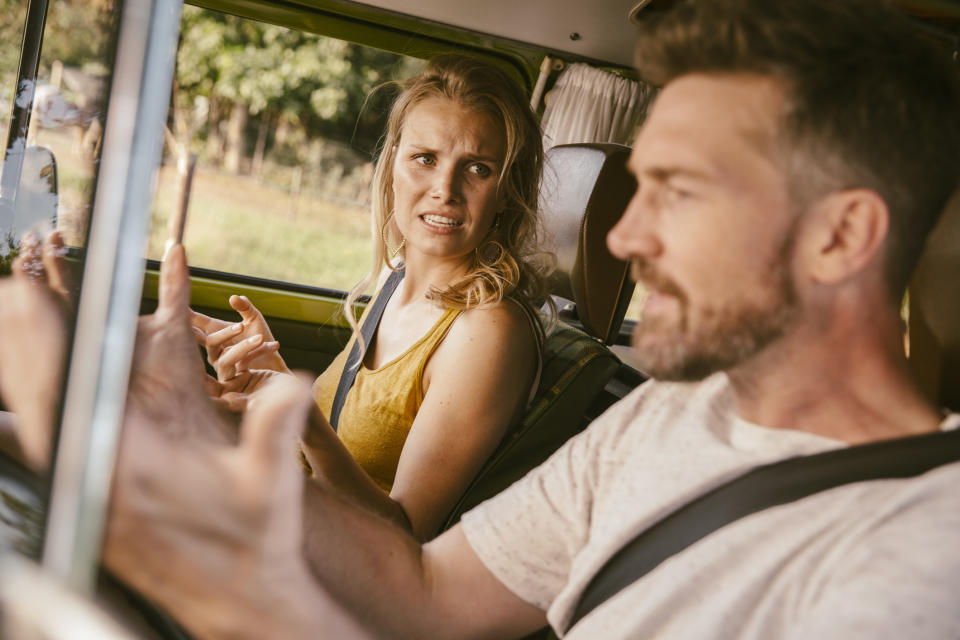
[{"x": 240, "y": 225}]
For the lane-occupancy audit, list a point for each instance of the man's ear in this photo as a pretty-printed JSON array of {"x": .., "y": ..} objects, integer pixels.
[{"x": 845, "y": 232}]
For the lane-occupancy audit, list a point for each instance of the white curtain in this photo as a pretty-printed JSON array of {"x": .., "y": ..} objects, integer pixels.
[{"x": 590, "y": 105}]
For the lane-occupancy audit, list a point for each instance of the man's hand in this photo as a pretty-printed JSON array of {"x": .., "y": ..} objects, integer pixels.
[
  {"x": 208, "y": 527},
  {"x": 36, "y": 300},
  {"x": 32, "y": 342},
  {"x": 213, "y": 534},
  {"x": 167, "y": 379}
]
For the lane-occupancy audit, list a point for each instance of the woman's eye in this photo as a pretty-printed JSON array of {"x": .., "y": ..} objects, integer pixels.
[
  {"x": 426, "y": 160},
  {"x": 480, "y": 170}
]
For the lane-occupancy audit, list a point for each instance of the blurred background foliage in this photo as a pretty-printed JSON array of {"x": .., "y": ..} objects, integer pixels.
[{"x": 284, "y": 123}]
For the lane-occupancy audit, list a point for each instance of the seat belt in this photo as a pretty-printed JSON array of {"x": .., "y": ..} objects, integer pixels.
[
  {"x": 367, "y": 330},
  {"x": 761, "y": 488}
]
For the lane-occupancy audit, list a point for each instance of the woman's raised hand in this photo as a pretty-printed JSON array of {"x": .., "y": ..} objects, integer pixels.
[{"x": 236, "y": 347}]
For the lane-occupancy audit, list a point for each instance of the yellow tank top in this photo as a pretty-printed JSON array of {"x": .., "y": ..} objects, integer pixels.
[{"x": 382, "y": 403}]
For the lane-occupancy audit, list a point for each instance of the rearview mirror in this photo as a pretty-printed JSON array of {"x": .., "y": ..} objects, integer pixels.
[{"x": 37, "y": 195}]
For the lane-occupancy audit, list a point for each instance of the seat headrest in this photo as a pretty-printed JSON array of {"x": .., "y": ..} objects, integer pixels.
[
  {"x": 585, "y": 190},
  {"x": 935, "y": 311}
]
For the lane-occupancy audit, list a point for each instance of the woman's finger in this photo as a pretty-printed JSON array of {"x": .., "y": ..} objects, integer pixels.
[
  {"x": 224, "y": 336},
  {"x": 226, "y": 363},
  {"x": 206, "y": 323},
  {"x": 243, "y": 306},
  {"x": 265, "y": 349}
]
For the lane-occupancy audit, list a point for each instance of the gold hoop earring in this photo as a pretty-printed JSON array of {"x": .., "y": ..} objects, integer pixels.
[{"x": 386, "y": 245}]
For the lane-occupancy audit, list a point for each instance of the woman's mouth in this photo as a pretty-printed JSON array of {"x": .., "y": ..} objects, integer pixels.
[{"x": 441, "y": 222}]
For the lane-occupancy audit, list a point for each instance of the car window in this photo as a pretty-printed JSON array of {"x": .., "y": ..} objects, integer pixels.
[
  {"x": 69, "y": 104},
  {"x": 284, "y": 137},
  {"x": 52, "y": 149},
  {"x": 11, "y": 34}
]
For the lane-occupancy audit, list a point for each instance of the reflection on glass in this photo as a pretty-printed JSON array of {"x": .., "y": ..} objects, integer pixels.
[{"x": 48, "y": 175}]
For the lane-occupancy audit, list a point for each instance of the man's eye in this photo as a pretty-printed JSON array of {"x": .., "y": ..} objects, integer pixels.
[
  {"x": 480, "y": 170},
  {"x": 676, "y": 194}
]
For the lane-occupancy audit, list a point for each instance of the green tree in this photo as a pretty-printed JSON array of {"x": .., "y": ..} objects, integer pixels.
[{"x": 243, "y": 79}]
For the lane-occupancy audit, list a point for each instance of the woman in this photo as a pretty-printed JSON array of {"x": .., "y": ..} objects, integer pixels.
[{"x": 456, "y": 354}]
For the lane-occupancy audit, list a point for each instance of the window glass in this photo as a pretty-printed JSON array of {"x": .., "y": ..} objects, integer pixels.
[
  {"x": 636, "y": 303},
  {"x": 283, "y": 134},
  {"x": 55, "y": 161},
  {"x": 11, "y": 33},
  {"x": 68, "y": 113}
]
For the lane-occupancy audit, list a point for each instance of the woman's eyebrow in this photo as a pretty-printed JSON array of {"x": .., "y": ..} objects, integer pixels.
[
  {"x": 420, "y": 147},
  {"x": 469, "y": 156},
  {"x": 483, "y": 157}
]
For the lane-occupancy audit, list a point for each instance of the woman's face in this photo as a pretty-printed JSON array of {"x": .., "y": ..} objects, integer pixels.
[{"x": 445, "y": 174}]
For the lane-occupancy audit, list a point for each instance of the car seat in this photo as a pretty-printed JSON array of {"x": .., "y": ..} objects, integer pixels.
[{"x": 934, "y": 312}]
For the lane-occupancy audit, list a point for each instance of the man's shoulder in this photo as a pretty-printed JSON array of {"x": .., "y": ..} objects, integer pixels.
[
  {"x": 665, "y": 399},
  {"x": 656, "y": 409}
]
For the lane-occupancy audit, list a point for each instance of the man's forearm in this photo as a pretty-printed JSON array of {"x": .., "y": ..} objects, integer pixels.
[{"x": 368, "y": 563}]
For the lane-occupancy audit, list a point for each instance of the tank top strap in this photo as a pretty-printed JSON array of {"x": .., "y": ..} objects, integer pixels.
[{"x": 430, "y": 343}]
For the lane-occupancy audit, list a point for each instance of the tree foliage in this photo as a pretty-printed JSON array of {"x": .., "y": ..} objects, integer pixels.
[{"x": 308, "y": 82}]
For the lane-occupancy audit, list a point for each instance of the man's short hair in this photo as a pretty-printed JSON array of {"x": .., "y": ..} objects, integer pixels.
[{"x": 871, "y": 103}]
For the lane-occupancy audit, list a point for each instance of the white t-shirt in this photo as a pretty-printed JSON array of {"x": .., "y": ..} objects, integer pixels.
[{"x": 877, "y": 559}]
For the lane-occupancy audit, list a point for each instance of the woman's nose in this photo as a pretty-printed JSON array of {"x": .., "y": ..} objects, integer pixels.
[{"x": 446, "y": 184}]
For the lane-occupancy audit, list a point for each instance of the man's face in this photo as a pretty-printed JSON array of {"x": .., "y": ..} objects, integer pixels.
[{"x": 709, "y": 230}]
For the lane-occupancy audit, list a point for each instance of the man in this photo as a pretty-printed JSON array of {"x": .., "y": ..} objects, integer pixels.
[{"x": 789, "y": 172}]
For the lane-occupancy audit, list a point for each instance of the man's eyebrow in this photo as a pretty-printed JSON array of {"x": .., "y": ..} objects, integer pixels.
[{"x": 664, "y": 172}]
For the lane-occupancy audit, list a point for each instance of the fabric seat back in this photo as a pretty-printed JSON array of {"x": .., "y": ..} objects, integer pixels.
[
  {"x": 585, "y": 189},
  {"x": 934, "y": 312}
]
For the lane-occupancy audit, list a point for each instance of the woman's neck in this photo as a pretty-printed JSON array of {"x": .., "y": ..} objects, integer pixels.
[{"x": 424, "y": 273}]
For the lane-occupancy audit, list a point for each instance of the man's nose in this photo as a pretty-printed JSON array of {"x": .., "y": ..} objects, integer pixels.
[{"x": 635, "y": 234}]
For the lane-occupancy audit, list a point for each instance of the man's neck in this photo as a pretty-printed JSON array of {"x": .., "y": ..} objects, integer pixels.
[{"x": 852, "y": 385}]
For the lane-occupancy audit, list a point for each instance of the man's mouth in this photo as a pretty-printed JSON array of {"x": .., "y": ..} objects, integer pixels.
[{"x": 655, "y": 283}]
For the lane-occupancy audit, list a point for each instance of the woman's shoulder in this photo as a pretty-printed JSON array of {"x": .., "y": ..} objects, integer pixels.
[
  {"x": 496, "y": 335},
  {"x": 498, "y": 325},
  {"x": 506, "y": 315}
]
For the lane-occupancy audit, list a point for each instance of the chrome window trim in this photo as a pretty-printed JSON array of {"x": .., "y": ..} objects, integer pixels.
[
  {"x": 33, "y": 29},
  {"x": 112, "y": 280}
]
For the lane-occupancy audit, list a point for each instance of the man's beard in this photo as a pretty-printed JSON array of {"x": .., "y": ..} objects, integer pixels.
[{"x": 707, "y": 340}]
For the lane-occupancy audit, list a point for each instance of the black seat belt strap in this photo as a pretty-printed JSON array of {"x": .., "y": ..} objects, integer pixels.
[
  {"x": 367, "y": 330},
  {"x": 763, "y": 487}
]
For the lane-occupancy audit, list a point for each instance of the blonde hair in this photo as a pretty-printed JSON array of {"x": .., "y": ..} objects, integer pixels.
[{"x": 507, "y": 262}]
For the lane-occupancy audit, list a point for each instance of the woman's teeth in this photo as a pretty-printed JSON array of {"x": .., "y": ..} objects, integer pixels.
[{"x": 441, "y": 220}]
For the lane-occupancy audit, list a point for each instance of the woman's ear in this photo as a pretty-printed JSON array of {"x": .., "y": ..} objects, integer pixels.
[{"x": 845, "y": 231}]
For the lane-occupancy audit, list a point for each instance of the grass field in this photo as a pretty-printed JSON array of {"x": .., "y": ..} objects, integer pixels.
[{"x": 240, "y": 225}]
